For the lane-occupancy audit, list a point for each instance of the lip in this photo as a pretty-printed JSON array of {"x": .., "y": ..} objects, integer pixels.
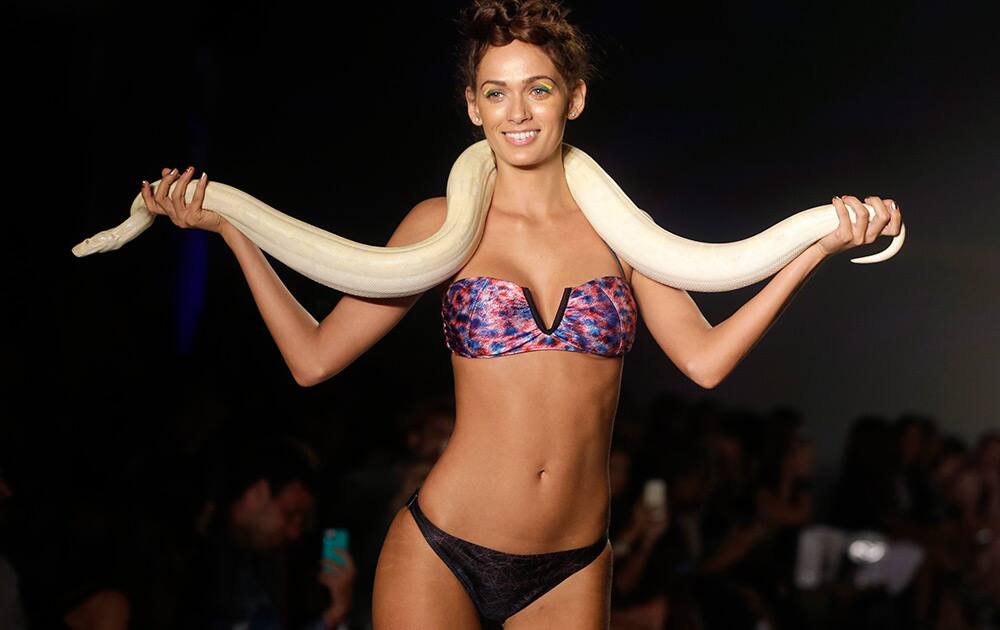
[{"x": 521, "y": 143}]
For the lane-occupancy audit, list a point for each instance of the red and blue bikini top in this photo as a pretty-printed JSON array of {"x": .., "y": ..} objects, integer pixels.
[{"x": 487, "y": 317}]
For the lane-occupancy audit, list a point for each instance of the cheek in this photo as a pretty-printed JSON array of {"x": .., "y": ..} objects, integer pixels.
[{"x": 275, "y": 520}]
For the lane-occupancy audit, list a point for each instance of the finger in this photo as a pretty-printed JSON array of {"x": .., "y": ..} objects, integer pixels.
[
  {"x": 895, "y": 218},
  {"x": 880, "y": 221},
  {"x": 844, "y": 227},
  {"x": 180, "y": 191},
  {"x": 163, "y": 188},
  {"x": 147, "y": 198},
  {"x": 161, "y": 194},
  {"x": 861, "y": 218},
  {"x": 199, "y": 192}
]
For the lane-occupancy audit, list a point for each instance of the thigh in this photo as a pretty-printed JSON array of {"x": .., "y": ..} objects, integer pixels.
[
  {"x": 414, "y": 589},
  {"x": 583, "y": 600}
]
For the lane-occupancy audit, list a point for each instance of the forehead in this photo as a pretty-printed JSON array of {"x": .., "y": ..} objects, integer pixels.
[{"x": 515, "y": 61}]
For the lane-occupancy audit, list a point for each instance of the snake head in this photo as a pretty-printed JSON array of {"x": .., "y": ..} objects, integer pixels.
[
  {"x": 104, "y": 241},
  {"x": 109, "y": 240}
]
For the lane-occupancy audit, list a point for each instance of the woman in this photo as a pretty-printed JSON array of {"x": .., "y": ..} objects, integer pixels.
[{"x": 511, "y": 523}]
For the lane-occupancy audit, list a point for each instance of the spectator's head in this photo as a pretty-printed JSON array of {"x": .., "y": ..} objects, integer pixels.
[
  {"x": 911, "y": 431},
  {"x": 269, "y": 492},
  {"x": 786, "y": 452},
  {"x": 735, "y": 445},
  {"x": 871, "y": 452},
  {"x": 949, "y": 460},
  {"x": 688, "y": 475},
  {"x": 427, "y": 427},
  {"x": 988, "y": 453},
  {"x": 965, "y": 489}
]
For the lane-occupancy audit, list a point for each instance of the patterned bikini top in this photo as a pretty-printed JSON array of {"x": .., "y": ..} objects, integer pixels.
[{"x": 488, "y": 317}]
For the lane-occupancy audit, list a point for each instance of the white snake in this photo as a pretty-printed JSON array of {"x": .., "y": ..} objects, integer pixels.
[{"x": 371, "y": 271}]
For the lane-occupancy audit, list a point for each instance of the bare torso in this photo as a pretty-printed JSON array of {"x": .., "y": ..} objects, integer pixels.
[{"x": 526, "y": 468}]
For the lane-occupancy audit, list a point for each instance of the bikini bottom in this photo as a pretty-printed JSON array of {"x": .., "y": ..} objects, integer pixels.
[{"x": 500, "y": 584}]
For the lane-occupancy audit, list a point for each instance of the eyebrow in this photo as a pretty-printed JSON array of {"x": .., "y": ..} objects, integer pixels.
[{"x": 528, "y": 80}]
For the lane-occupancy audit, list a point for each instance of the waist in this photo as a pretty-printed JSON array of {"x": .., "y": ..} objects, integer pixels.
[{"x": 517, "y": 508}]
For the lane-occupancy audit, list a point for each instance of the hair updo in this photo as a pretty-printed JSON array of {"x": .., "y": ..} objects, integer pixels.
[{"x": 543, "y": 23}]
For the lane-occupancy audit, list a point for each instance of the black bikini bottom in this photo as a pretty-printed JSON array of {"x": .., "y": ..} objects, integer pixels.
[{"x": 500, "y": 584}]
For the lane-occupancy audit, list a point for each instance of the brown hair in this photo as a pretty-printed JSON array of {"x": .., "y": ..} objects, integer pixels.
[{"x": 543, "y": 23}]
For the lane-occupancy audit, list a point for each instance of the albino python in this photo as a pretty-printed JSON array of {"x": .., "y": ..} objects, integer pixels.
[{"x": 371, "y": 271}]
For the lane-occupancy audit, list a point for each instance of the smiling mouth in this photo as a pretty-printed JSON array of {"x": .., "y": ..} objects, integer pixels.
[
  {"x": 521, "y": 138},
  {"x": 522, "y": 134}
]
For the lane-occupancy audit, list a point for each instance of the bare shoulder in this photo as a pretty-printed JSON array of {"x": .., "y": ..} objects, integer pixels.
[{"x": 422, "y": 221}]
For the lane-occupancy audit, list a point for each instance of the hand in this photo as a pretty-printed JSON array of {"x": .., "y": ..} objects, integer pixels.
[
  {"x": 847, "y": 235},
  {"x": 183, "y": 214},
  {"x": 339, "y": 580},
  {"x": 645, "y": 520}
]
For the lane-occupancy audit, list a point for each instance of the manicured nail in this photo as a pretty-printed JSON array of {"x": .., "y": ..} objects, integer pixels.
[
  {"x": 893, "y": 204},
  {"x": 203, "y": 175},
  {"x": 144, "y": 184},
  {"x": 173, "y": 172}
]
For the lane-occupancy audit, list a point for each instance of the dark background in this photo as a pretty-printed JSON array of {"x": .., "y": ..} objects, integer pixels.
[{"x": 719, "y": 121}]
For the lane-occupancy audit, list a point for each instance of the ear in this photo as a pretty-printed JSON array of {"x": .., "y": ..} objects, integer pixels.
[
  {"x": 470, "y": 99},
  {"x": 578, "y": 100}
]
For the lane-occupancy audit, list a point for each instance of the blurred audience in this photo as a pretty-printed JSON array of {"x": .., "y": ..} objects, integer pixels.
[
  {"x": 368, "y": 498},
  {"x": 716, "y": 524},
  {"x": 265, "y": 498}
]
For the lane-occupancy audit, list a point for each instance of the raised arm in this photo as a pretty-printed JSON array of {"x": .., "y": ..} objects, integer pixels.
[
  {"x": 706, "y": 353},
  {"x": 315, "y": 351}
]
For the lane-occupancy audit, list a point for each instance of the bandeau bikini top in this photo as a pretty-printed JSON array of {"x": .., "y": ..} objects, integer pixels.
[{"x": 488, "y": 317}]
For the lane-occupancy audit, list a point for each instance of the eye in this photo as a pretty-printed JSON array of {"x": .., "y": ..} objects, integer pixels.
[
  {"x": 491, "y": 93},
  {"x": 541, "y": 89}
]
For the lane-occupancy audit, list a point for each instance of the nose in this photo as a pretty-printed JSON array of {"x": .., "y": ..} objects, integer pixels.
[{"x": 518, "y": 110}]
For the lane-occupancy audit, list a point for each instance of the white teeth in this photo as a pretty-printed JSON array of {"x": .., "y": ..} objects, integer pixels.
[{"x": 521, "y": 135}]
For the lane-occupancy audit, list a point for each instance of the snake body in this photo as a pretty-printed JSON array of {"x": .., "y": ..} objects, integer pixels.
[{"x": 372, "y": 271}]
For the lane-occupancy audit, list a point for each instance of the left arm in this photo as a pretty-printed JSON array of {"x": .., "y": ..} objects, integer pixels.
[
  {"x": 735, "y": 337},
  {"x": 706, "y": 353}
]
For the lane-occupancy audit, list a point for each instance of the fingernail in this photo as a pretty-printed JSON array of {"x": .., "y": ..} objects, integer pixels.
[
  {"x": 203, "y": 175},
  {"x": 893, "y": 204},
  {"x": 173, "y": 172}
]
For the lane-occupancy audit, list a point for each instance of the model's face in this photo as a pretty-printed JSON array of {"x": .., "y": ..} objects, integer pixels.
[{"x": 519, "y": 89}]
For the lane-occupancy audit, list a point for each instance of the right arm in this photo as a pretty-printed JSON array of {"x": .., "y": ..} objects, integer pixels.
[{"x": 315, "y": 352}]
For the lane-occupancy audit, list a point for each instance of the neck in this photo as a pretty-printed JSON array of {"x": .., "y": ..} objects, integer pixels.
[{"x": 538, "y": 192}]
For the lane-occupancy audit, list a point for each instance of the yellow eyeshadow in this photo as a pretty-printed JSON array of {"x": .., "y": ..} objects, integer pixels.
[{"x": 545, "y": 84}]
